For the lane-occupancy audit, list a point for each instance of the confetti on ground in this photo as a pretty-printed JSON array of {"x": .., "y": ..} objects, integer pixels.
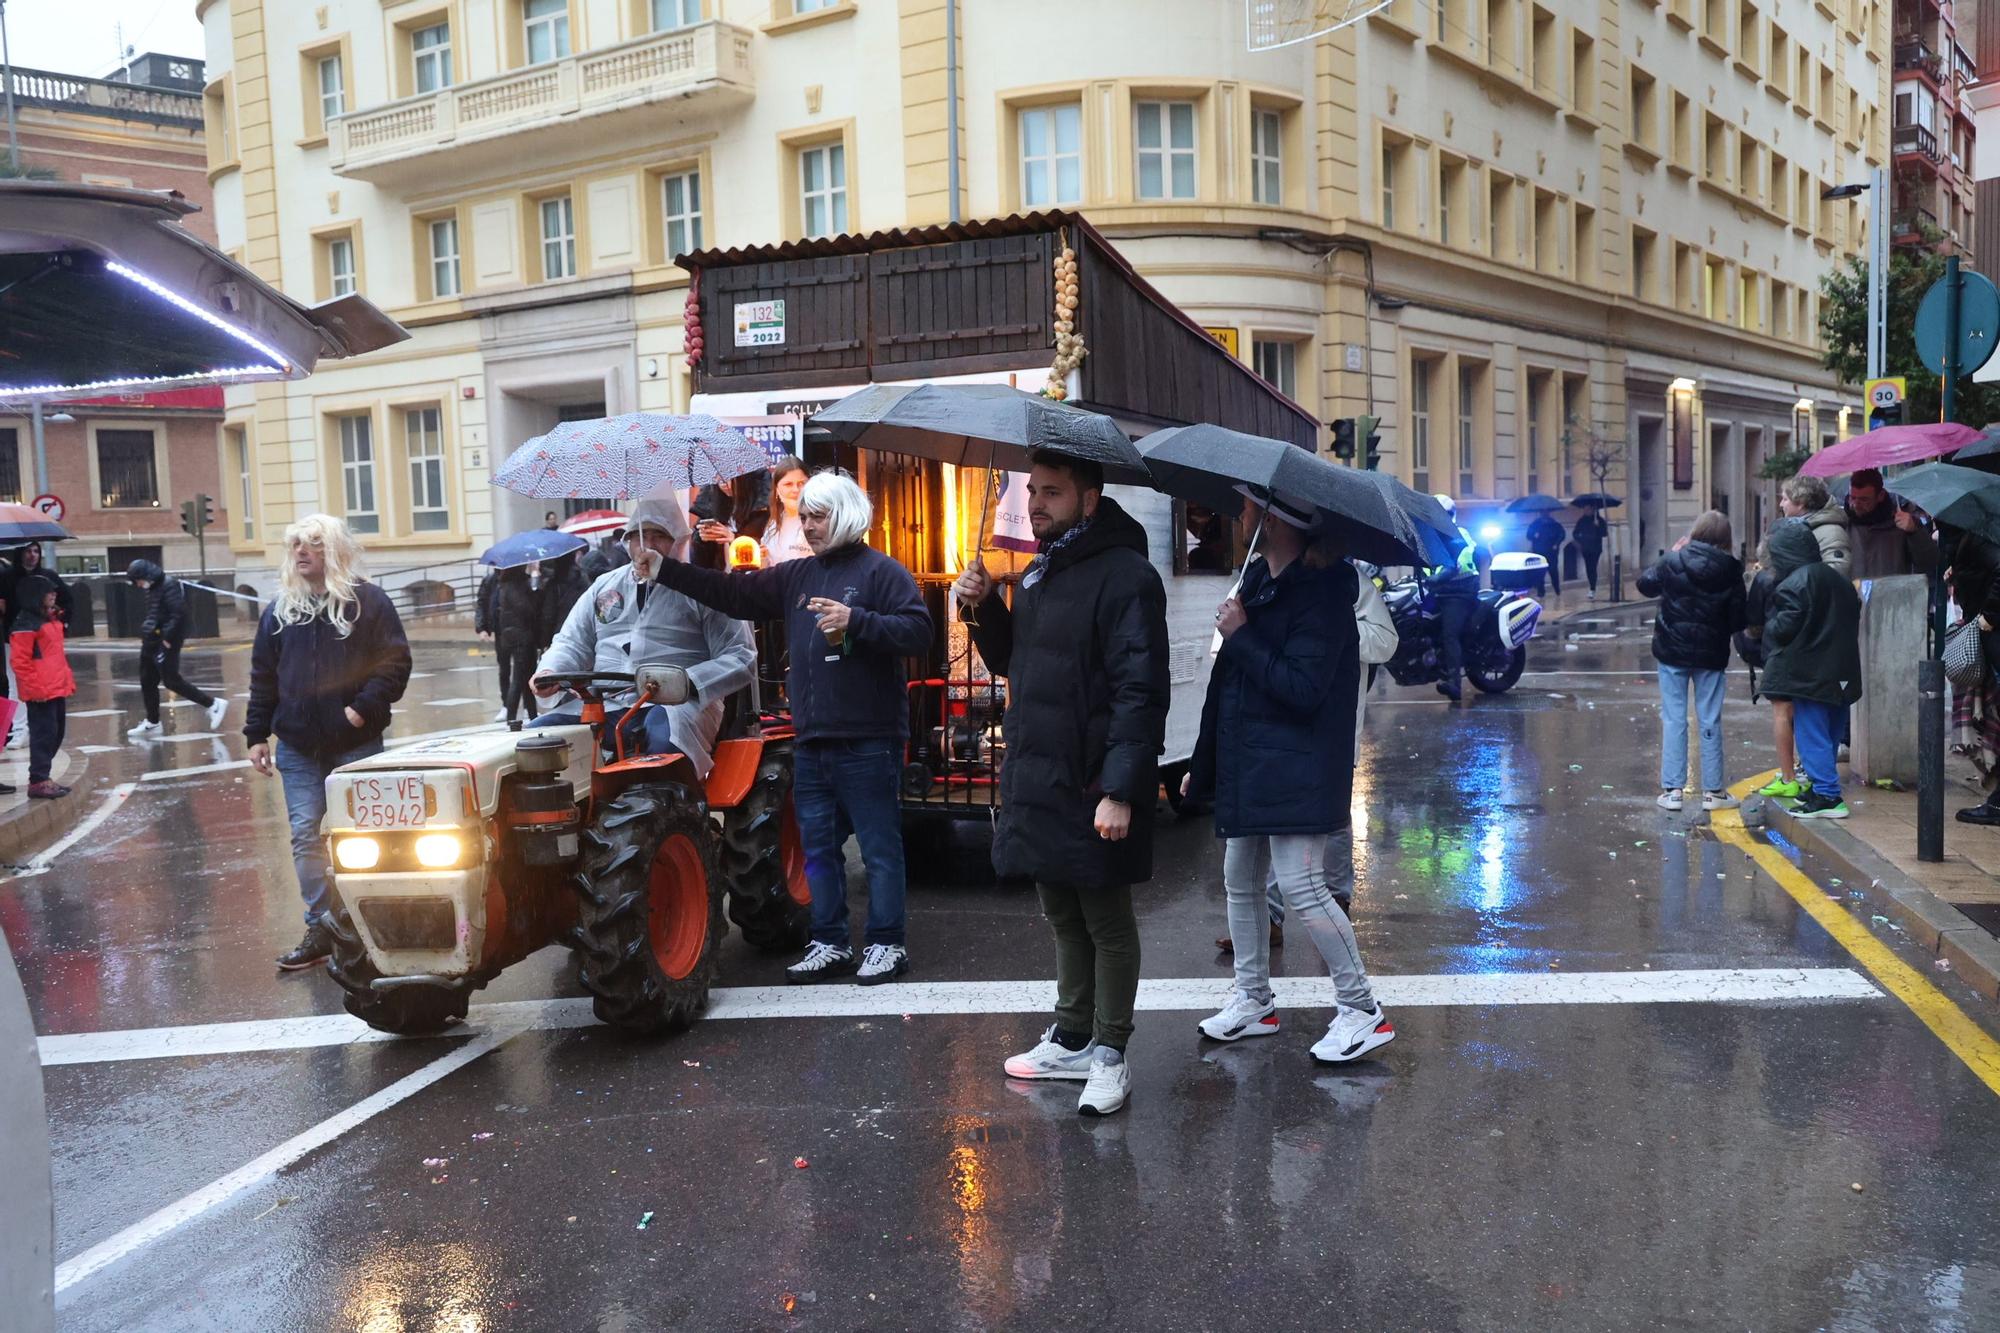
[
  {"x": 1576, "y": 768},
  {"x": 435, "y": 1162},
  {"x": 1942, "y": 964},
  {"x": 800, "y": 1163},
  {"x": 439, "y": 1180},
  {"x": 692, "y": 1064},
  {"x": 482, "y": 1136},
  {"x": 645, "y": 1219}
]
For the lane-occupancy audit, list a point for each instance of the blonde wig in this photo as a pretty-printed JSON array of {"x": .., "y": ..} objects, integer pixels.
[{"x": 296, "y": 602}]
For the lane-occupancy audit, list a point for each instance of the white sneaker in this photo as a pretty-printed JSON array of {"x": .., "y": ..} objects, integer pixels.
[
  {"x": 145, "y": 731},
  {"x": 1352, "y": 1034},
  {"x": 1670, "y": 799},
  {"x": 500, "y": 716},
  {"x": 18, "y": 740},
  {"x": 216, "y": 712},
  {"x": 1718, "y": 800},
  {"x": 882, "y": 962},
  {"x": 1109, "y": 1085},
  {"x": 1051, "y": 1059},
  {"x": 823, "y": 962},
  {"x": 1241, "y": 1017}
]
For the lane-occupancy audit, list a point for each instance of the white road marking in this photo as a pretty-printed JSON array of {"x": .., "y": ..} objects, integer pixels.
[
  {"x": 181, "y": 737},
  {"x": 98, "y": 749},
  {"x": 97, "y": 712},
  {"x": 193, "y": 770},
  {"x": 253, "y": 1173},
  {"x": 487, "y": 667},
  {"x": 450, "y": 703},
  {"x": 114, "y": 798},
  {"x": 1477, "y": 989}
]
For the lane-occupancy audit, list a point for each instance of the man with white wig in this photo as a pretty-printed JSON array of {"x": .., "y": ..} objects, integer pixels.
[
  {"x": 628, "y": 620},
  {"x": 851, "y": 616}
]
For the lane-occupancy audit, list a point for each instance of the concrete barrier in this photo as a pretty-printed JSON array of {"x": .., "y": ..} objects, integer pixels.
[
  {"x": 1892, "y": 643},
  {"x": 27, "y": 1219}
]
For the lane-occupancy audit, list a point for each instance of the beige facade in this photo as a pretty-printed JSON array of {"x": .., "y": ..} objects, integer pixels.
[{"x": 1496, "y": 226}]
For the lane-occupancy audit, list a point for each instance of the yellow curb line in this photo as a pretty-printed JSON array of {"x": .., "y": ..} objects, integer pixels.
[{"x": 1950, "y": 1024}]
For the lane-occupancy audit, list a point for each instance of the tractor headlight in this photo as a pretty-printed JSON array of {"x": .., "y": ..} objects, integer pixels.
[
  {"x": 357, "y": 853},
  {"x": 439, "y": 851}
]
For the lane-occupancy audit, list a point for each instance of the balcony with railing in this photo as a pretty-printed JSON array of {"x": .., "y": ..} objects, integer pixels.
[
  {"x": 1915, "y": 142},
  {"x": 108, "y": 98},
  {"x": 526, "y": 114}
]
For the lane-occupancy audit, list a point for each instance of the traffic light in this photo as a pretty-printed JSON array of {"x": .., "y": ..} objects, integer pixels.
[
  {"x": 207, "y": 511},
  {"x": 1343, "y": 439},
  {"x": 190, "y": 519},
  {"x": 1371, "y": 440}
]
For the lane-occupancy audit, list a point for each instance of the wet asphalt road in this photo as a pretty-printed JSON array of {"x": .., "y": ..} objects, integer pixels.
[{"x": 1595, "y": 1165}]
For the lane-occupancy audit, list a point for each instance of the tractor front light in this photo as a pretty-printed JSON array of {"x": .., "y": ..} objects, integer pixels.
[
  {"x": 439, "y": 851},
  {"x": 357, "y": 853}
]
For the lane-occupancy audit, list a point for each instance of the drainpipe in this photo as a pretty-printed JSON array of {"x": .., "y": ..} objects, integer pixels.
[{"x": 951, "y": 104}]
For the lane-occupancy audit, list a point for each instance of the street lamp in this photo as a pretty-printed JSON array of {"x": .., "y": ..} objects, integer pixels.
[{"x": 1877, "y": 186}]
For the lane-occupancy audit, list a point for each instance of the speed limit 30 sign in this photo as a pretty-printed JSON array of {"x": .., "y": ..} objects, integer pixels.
[{"x": 1885, "y": 400}]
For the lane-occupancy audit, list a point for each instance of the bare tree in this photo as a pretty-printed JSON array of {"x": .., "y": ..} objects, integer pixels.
[{"x": 1602, "y": 455}]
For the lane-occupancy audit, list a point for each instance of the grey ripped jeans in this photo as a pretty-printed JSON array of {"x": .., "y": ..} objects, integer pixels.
[{"x": 1299, "y": 862}]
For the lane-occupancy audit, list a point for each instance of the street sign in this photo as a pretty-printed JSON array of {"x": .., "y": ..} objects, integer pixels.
[
  {"x": 1885, "y": 401},
  {"x": 51, "y": 505},
  {"x": 1978, "y": 323},
  {"x": 1224, "y": 334}
]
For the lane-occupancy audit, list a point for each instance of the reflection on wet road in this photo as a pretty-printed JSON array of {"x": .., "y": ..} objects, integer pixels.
[{"x": 1635, "y": 1086}]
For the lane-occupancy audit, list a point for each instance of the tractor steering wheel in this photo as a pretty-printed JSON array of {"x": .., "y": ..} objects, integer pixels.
[{"x": 580, "y": 683}]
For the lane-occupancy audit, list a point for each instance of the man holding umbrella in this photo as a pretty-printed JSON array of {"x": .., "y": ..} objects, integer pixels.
[
  {"x": 1545, "y": 538},
  {"x": 1084, "y": 651}
]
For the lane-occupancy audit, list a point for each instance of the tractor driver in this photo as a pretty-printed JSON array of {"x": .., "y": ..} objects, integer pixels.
[{"x": 628, "y": 620}]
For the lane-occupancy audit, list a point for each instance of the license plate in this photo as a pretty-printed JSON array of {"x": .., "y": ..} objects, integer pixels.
[{"x": 392, "y": 802}]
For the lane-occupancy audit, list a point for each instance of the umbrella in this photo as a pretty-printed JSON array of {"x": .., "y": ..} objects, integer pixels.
[
  {"x": 593, "y": 522},
  {"x": 525, "y": 548},
  {"x": 1888, "y": 447},
  {"x": 635, "y": 456},
  {"x": 25, "y": 523},
  {"x": 1961, "y": 496},
  {"x": 1207, "y": 463},
  {"x": 1533, "y": 504},
  {"x": 980, "y": 425},
  {"x": 1435, "y": 529},
  {"x": 1983, "y": 453},
  {"x": 1596, "y": 500}
]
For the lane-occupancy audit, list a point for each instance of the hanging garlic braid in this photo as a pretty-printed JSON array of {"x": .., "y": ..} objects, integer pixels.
[{"x": 297, "y": 603}]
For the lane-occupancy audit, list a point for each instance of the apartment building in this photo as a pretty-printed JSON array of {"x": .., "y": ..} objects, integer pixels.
[
  {"x": 1932, "y": 131},
  {"x": 1522, "y": 234}
]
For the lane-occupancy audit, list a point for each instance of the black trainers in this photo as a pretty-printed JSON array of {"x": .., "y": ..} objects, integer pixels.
[
  {"x": 1987, "y": 813},
  {"x": 1451, "y": 690},
  {"x": 1815, "y": 805},
  {"x": 313, "y": 949},
  {"x": 823, "y": 962}
]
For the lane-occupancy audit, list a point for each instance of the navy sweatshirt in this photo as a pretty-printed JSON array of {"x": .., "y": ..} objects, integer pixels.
[
  {"x": 852, "y": 692},
  {"x": 304, "y": 678}
]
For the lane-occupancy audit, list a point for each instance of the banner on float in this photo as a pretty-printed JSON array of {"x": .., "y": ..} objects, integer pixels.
[{"x": 777, "y": 436}]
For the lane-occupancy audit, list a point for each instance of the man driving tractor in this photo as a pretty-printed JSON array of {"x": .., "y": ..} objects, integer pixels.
[{"x": 628, "y": 620}]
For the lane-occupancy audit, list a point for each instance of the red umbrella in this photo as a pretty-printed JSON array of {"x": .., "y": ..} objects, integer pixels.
[
  {"x": 1888, "y": 447},
  {"x": 591, "y": 522}
]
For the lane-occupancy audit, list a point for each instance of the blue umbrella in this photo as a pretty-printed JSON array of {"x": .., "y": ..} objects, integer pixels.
[{"x": 525, "y": 548}]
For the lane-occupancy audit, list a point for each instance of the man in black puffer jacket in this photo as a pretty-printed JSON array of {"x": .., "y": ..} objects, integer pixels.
[
  {"x": 1700, "y": 587},
  {"x": 161, "y": 635},
  {"x": 1084, "y": 651},
  {"x": 1813, "y": 638}
]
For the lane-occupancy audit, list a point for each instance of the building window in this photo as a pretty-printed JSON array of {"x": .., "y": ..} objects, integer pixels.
[
  {"x": 823, "y": 189},
  {"x": 1538, "y": 388},
  {"x": 357, "y": 473},
  {"x": 10, "y": 464},
  {"x": 1051, "y": 155},
  {"x": 1390, "y": 153},
  {"x": 558, "y": 238},
  {"x": 671, "y": 14},
  {"x": 1267, "y": 157},
  {"x": 680, "y": 209},
  {"x": 1644, "y": 286},
  {"x": 126, "y": 475},
  {"x": 546, "y": 27},
  {"x": 430, "y": 53},
  {"x": 810, "y": 6},
  {"x": 1583, "y": 73},
  {"x": 1166, "y": 149},
  {"x": 332, "y": 95},
  {"x": 423, "y": 442},
  {"x": 1420, "y": 423},
  {"x": 1468, "y": 426},
  {"x": 340, "y": 266},
  {"x": 1583, "y": 243},
  {"x": 444, "y": 257},
  {"x": 239, "y": 457},
  {"x": 1277, "y": 362},
  {"x": 1644, "y": 102}
]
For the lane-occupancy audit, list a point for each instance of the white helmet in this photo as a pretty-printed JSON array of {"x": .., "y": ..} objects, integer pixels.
[{"x": 1450, "y": 505}]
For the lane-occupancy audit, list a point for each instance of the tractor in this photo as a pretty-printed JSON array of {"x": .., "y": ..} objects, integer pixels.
[{"x": 457, "y": 857}]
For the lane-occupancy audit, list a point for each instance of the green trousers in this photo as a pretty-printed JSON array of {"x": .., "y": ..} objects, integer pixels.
[{"x": 1097, "y": 959}]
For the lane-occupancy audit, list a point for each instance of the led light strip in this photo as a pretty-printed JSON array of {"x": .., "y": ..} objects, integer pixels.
[
  {"x": 206, "y": 316},
  {"x": 8, "y": 391}
]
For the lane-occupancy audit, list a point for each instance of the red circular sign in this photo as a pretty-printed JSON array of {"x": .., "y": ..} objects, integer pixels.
[{"x": 51, "y": 505}]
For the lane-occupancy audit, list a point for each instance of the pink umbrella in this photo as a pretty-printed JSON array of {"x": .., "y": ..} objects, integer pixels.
[{"x": 1888, "y": 447}]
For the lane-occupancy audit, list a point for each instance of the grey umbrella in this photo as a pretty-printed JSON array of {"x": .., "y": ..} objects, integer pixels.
[
  {"x": 980, "y": 425},
  {"x": 1533, "y": 504},
  {"x": 1207, "y": 463}
]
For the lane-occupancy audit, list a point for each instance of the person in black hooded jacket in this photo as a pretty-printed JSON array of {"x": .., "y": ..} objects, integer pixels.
[
  {"x": 1813, "y": 641},
  {"x": 1084, "y": 651},
  {"x": 1700, "y": 587},
  {"x": 161, "y": 636},
  {"x": 517, "y": 620}
]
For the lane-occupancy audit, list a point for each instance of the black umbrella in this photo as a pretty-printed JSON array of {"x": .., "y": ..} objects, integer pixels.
[
  {"x": 1436, "y": 530},
  {"x": 1596, "y": 500},
  {"x": 1207, "y": 463},
  {"x": 1961, "y": 496},
  {"x": 1983, "y": 454},
  {"x": 980, "y": 425},
  {"x": 1534, "y": 504}
]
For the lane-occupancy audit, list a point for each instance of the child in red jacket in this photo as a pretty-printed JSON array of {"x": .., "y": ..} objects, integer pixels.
[{"x": 43, "y": 674}]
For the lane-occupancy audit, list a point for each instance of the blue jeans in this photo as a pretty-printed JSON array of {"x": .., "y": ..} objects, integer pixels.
[
  {"x": 652, "y": 734},
  {"x": 304, "y": 777},
  {"x": 1710, "y": 687},
  {"x": 842, "y": 785},
  {"x": 1816, "y": 732}
]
